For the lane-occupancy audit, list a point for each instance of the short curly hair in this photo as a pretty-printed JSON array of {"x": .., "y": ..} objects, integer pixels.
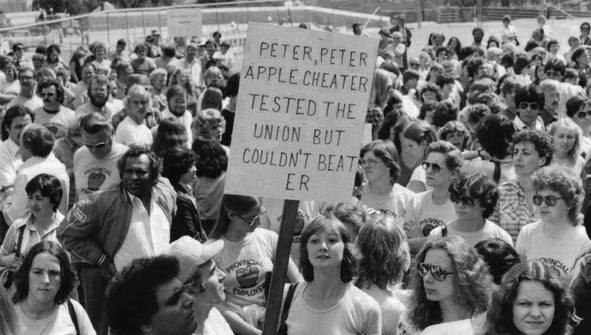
[
  {"x": 500, "y": 313},
  {"x": 478, "y": 186},
  {"x": 323, "y": 223},
  {"x": 542, "y": 141},
  {"x": 352, "y": 214},
  {"x": 475, "y": 113},
  {"x": 568, "y": 185},
  {"x": 499, "y": 255},
  {"x": 452, "y": 127},
  {"x": 453, "y": 156},
  {"x": 445, "y": 111},
  {"x": 472, "y": 285},
  {"x": 211, "y": 158},
  {"x": 495, "y": 133},
  {"x": 384, "y": 251},
  {"x": 387, "y": 153},
  {"x": 136, "y": 151},
  {"x": 176, "y": 162}
]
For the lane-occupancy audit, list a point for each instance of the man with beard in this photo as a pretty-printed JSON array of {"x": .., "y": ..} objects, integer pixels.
[
  {"x": 478, "y": 34},
  {"x": 551, "y": 90},
  {"x": 27, "y": 97},
  {"x": 53, "y": 115},
  {"x": 132, "y": 130},
  {"x": 95, "y": 163},
  {"x": 118, "y": 225},
  {"x": 98, "y": 93},
  {"x": 176, "y": 97},
  {"x": 81, "y": 88}
]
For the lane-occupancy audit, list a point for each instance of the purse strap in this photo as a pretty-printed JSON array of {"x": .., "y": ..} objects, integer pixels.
[
  {"x": 287, "y": 303},
  {"x": 19, "y": 243},
  {"x": 73, "y": 316}
]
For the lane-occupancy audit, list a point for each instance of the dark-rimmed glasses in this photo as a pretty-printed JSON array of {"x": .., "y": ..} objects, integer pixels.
[
  {"x": 252, "y": 221},
  {"x": 550, "y": 200}
]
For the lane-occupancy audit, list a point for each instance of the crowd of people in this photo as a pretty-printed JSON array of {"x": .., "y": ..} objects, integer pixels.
[{"x": 468, "y": 213}]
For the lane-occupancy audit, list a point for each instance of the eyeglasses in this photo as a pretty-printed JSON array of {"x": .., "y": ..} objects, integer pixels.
[
  {"x": 253, "y": 221},
  {"x": 370, "y": 162},
  {"x": 550, "y": 200},
  {"x": 532, "y": 105},
  {"x": 464, "y": 199},
  {"x": 436, "y": 167},
  {"x": 415, "y": 64},
  {"x": 96, "y": 146},
  {"x": 437, "y": 272},
  {"x": 582, "y": 115}
]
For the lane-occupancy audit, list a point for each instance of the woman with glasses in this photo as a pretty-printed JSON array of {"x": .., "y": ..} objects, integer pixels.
[
  {"x": 451, "y": 283},
  {"x": 532, "y": 150},
  {"x": 581, "y": 63},
  {"x": 379, "y": 161},
  {"x": 327, "y": 302},
  {"x": 248, "y": 254},
  {"x": 433, "y": 208},
  {"x": 585, "y": 38},
  {"x": 531, "y": 300},
  {"x": 578, "y": 109},
  {"x": 178, "y": 165},
  {"x": 414, "y": 140},
  {"x": 559, "y": 238},
  {"x": 474, "y": 197}
]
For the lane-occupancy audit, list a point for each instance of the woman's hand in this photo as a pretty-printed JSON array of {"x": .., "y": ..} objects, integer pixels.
[{"x": 14, "y": 262}]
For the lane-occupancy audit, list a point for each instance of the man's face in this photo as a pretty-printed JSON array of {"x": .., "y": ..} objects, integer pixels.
[
  {"x": 137, "y": 178},
  {"x": 99, "y": 94},
  {"x": 160, "y": 82},
  {"x": 412, "y": 83},
  {"x": 98, "y": 144},
  {"x": 87, "y": 73},
  {"x": 553, "y": 74},
  {"x": 138, "y": 105},
  {"x": 49, "y": 96},
  {"x": 210, "y": 49},
  {"x": 16, "y": 127},
  {"x": 478, "y": 35},
  {"x": 20, "y": 51},
  {"x": 26, "y": 80},
  {"x": 191, "y": 51},
  {"x": 176, "y": 315},
  {"x": 551, "y": 99},
  {"x": 528, "y": 112},
  {"x": 574, "y": 42},
  {"x": 178, "y": 105},
  {"x": 120, "y": 47}
]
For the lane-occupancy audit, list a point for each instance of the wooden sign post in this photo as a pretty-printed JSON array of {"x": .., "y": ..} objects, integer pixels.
[{"x": 300, "y": 119}]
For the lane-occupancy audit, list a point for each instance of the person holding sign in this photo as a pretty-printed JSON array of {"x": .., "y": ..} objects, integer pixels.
[
  {"x": 247, "y": 256},
  {"x": 328, "y": 302},
  {"x": 379, "y": 161}
]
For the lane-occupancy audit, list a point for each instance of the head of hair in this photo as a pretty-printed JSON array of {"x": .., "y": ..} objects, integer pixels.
[
  {"x": 59, "y": 90},
  {"x": 473, "y": 66},
  {"x": 136, "y": 151},
  {"x": 493, "y": 39},
  {"x": 168, "y": 136},
  {"x": 445, "y": 79},
  {"x": 467, "y": 51},
  {"x": 409, "y": 75},
  {"x": 391, "y": 120},
  {"x": 495, "y": 134},
  {"x": 131, "y": 298},
  {"x": 564, "y": 183},
  {"x": 499, "y": 255},
  {"x": 475, "y": 113},
  {"x": 352, "y": 214},
  {"x": 428, "y": 106},
  {"x": 577, "y": 53},
  {"x": 445, "y": 111},
  {"x": 205, "y": 120},
  {"x": 382, "y": 80},
  {"x": 542, "y": 141},
  {"x": 573, "y": 105},
  {"x": 384, "y": 251},
  {"x": 522, "y": 61},
  {"x": 570, "y": 73},
  {"x": 233, "y": 204},
  {"x": 452, "y": 127},
  {"x": 211, "y": 158},
  {"x": 569, "y": 124},
  {"x": 176, "y": 162},
  {"x": 471, "y": 286},
  {"x": 321, "y": 224},
  {"x": 94, "y": 122},
  {"x": 390, "y": 66},
  {"x": 212, "y": 98},
  {"x": 478, "y": 186},
  {"x": 430, "y": 87},
  {"x": 420, "y": 131},
  {"x": 156, "y": 73},
  {"x": 140, "y": 47},
  {"x": 530, "y": 93},
  {"x": 458, "y": 48},
  {"x": 38, "y": 140},
  {"x": 232, "y": 85},
  {"x": 49, "y": 186},
  {"x": 98, "y": 79},
  {"x": 169, "y": 50},
  {"x": 453, "y": 156},
  {"x": 500, "y": 313},
  {"x": 21, "y": 276},
  {"x": 11, "y": 114},
  {"x": 387, "y": 153}
]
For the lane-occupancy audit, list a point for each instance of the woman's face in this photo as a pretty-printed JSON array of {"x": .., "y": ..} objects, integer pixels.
[
  {"x": 325, "y": 249},
  {"x": 583, "y": 118},
  {"x": 100, "y": 52},
  {"x": 434, "y": 289},
  {"x": 412, "y": 148},
  {"x": 374, "y": 169},
  {"x": 182, "y": 78},
  {"x": 453, "y": 43},
  {"x": 438, "y": 175},
  {"x": 249, "y": 220},
  {"x": 533, "y": 308},
  {"x": 468, "y": 209},
  {"x": 556, "y": 213},
  {"x": 585, "y": 29},
  {"x": 574, "y": 42},
  {"x": 526, "y": 160},
  {"x": 189, "y": 177},
  {"x": 45, "y": 278},
  {"x": 564, "y": 139},
  {"x": 540, "y": 72},
  {"x": 39, "y": 205},
  {"x": 456, "y": 138},
  {"x": 53, "y": 56},
  {"x": 583, "y": 59}
]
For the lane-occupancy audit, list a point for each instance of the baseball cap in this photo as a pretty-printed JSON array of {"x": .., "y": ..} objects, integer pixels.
[{"x": 191, "y": 253}]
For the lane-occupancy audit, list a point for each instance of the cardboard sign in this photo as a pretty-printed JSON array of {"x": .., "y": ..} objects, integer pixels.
[
  {"x": 185, "y": 22},
  {"x": 300, "y": 113}
]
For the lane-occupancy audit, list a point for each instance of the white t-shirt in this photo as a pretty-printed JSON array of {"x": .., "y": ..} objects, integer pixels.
[
  {"x": 391, "y": 308},
  {"x": 58, "y": 323},
  {"x": 58, "y": 123},
  {"x": 245, "y": 264},
  {"x": 128, "y": 133},
  {"x": 423, "y": 215},
  {"x": 558, "y": 253},
  {"x": 31, "y": 103},
  {"x": 490, "y": 230},
  {"x": 215, "y": 324},
  {"x": 395, "y": 202},
  {"x": 92, "y": 174},
  {"x": 355, "y": 313},
  {"x": 186, "y": 120}
]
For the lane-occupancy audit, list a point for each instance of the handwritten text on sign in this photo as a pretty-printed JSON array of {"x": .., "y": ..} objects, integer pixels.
[
  {"x": 184, "y": 22},
  {"x": 300, "y": 113}
]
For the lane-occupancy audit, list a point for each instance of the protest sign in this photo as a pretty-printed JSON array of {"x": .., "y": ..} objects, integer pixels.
[
  {"x": 185, "y": 22},
  {"x": 300, "y": 113}
]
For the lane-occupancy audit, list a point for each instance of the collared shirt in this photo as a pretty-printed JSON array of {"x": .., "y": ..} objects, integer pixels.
[
  {"x": 512, "y": 211},
  {"x": 30, "y": 234},
  {"x": 10, "y": 161},
  {"x": 130, "y": 133},
  {"x": 548, "y": 117},
  {"x": 521, "y": 125},
  {"x": 148, "y": 234}
]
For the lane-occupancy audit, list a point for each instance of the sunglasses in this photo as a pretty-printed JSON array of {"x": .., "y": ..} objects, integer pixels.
[
  {"x": 415, "y": 64},
  {"x": 370, "y": 162},
  {"x": 550, "y": 200},
  {"x": 437, "y": 272},
  {"x": 254, "y": 220},
  {"x": 464, "y": 199},
  {"x": 532, "y": 105},
  {"x": 582, "y": 115},
  {"x": 427, "y": 165},
  {"x": 97, "y": 146}
]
